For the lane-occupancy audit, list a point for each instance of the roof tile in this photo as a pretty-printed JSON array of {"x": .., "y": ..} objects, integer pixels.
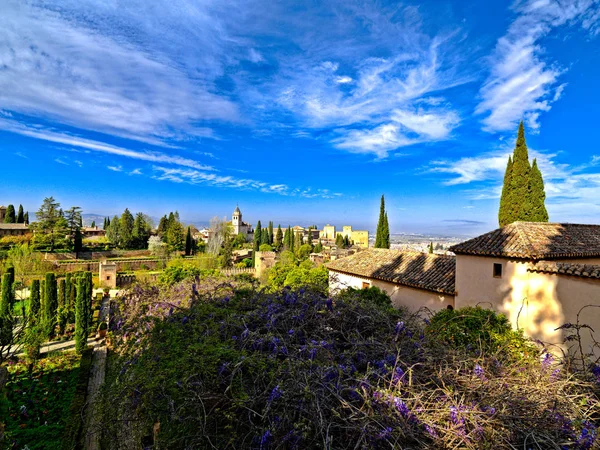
[{"x": 577, "y": 270}]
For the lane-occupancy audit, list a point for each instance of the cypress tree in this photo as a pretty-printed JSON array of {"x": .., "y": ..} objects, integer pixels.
[
  {"x": 538, "y": 195},
  {"x": 6, "y": 301},
  {"x": 339, "y": 241},
  {"x": 42, "y": 298},
  {"x": 257, "y": 236},
  {"x": 80, "y": 317},
  {"x": 10, "y": 216},
  {"x": 11, "y": 272},
  {"x": 93, "y": 225},
  {"x": 26, "y": 218},
  {"x": 265, "y": 236},
  {"x": 286, "y": 239},
  {"x": 431, "y": 248},
  {"x": 382, "y": 236},
  {"x": 188, "y": 242},
  {"x": 292, "y": 238},
  {"x": 270, "y": 233},
  {"x": 279, "y": 237},
  {"x": 63, "y": 311},
  {"x": 298, "y": 240},
  {"x": 519, "y": 198},
  {"x": 504, "y": 211},
  {"x": 50, "y": 303},
  {"x": 20, "y": 215},
  {"x": 310, "y": 238},
  {"x": 34, "y": 300}
]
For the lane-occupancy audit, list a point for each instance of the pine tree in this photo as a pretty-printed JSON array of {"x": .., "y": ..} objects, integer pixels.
[
  {"x": 80, "y": 317},
  {"x": 270, "y": 233},
  {"x": 10, "y": 216},
  {"x": 50, "y": 303},
  {"x": 126, "y": 229},
  {"x": 34, "y": 300},
  {"x": 382, "y": 236},
  {"x": 538, "y": 195},
  {"x": 503, "y": 213},
  {"x": 141, "y": 231},
  {"x": 431, "y": 248},
  {"x": 188, "y": 242},
  {"x": 20, "y": 215}
]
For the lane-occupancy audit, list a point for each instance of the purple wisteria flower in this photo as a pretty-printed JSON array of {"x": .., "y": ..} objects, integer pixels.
[
  {"x": 275, "y": 394},
  {"x": 479, "y": 372}
]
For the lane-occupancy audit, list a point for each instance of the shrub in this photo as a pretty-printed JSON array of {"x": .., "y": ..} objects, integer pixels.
[
  {"x": 481, "y": 330},
  {"x": 371, "y": 295}
]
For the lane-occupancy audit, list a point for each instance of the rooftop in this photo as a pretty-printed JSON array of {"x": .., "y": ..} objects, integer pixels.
[
  {"x": 576, "y": 270},
  {"x": 536, "y": 241},
  {"x": 415, "y": 269},
  {"x": 13, "y": 226}
]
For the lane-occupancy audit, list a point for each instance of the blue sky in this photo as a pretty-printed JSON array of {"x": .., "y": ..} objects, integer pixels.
[{"x": 301, "y": 112}]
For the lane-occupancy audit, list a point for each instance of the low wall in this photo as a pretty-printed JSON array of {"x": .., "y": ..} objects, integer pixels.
[
  {"x": 123, "y": 265},
  {"x": 95, "y": 256}
]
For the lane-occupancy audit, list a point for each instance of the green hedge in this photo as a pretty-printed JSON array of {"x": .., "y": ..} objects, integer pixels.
[{"x": 74, "y": 429}]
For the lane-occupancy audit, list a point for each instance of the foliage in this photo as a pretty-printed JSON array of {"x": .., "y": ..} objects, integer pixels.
[
  {"x": 50, "y": 303},
  {"x": 73, "y": 438},
  {"x": 369, "y": 296},
  {"x": 304, "y": 251},
  {"x": 220, "y": 365},
  {"x": 179, "y": 269},
  {"x": 382, "y": 237},
  {"x": 50, "y": 226},
  {"x": 523, "y": 195},
  {"x": 7, "y": 299},
  {"x": 265, "y": 248},
  {"x": 479, "y": 330},
  {"x": 10, "y": 216},
  {"x": 81, "y": 316},
  {"x": 38, "y": 401}
]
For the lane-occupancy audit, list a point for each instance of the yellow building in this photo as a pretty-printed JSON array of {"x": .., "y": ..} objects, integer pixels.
[
  {"x": 360, "y": 238},
  {"x": 328, "y": 232}
]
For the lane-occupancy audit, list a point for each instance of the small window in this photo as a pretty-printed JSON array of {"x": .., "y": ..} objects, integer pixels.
[
  {"x": 497, "y": 270},
  {"x": 108, "y": 278},
  {"x": 366, "y": 285}
]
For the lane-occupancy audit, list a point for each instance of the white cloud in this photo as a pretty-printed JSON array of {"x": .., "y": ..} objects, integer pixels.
[
  {"x": 115, "y": 168},
  {"x": 136, "y": 172},
  {"x": 75, "y": 141},
  {"x": 343, "y": 80},
  {"x": 255, "y": 56},
  {"x": 521, "y": 84}
]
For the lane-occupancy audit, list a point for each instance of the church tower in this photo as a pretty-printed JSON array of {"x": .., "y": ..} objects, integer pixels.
[{"x": 236, "y": 221}]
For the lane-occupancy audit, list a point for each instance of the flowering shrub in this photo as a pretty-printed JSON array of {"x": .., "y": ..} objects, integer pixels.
[{"x": 216, "y": 363}]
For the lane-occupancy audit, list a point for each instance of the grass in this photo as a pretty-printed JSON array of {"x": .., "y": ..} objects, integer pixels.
[{"x": 38, "y": 402}]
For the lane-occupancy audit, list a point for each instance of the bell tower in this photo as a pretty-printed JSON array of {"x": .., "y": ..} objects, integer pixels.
[{"x": 236, "y": 220}]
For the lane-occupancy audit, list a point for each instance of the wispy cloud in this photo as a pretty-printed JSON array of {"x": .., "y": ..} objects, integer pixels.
[
  {"x": 136, "y": 172},
  {"x": 96, "y": 146},
  {"x": 204, "y": 178},
  {"x": 115, "y": 168},
  {"x": 522, "y": 84}
]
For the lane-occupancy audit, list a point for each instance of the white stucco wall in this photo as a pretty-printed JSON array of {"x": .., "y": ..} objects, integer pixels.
[
  {"x": 411, "y": 298},
  {"x": 536, "y": 302}
]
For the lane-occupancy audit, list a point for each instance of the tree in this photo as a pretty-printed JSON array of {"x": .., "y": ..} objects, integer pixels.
[
  {"x": 310, "y": 236},
  {"x": 20, "y": 215},
  {"x": 113, "y": 233},
  {"x": 175, "y": 236},
  {"x": 265, "y": 248},
  {"x": 63, "y": 307},
  {"x": 162, "y": 226},
  {"x": 50, "y": 303},
  {"x": 93, "y": 225},
  {"x": 10, "y": 216},
  {"x": 257, "y": 237},
  {"x": 271, "y": 237},
  {"x": 503, "y": 213},
  {"x": 141, "y": 231},
  {"x": 339, "y": 241},
  {"x": 7, "y": 299},
  {"x": 188, "y": 242},
  {"x": 278, "y": 242},
  {"x": 523, "y": 195},
  {"x": 50, "y": 225},
  {"x": 431, "y": 248},
  {"x": 304, "y": 251},
  {"x": 80, "y": 317},
  {"x": 126, "y": 229},
  {"x": 382, "y": 237},
  {"x": 538, "y": 195},
  {"x": 34, "y": 300},
  {"x": 265, "y": 236},
  {"x": 73, "y": 218},
  {"x": 319, "y": 247},
  {"x": 106, "y": 223},
  {"x": 26, "y": 218},
  {"x": 286, "y": 239}
]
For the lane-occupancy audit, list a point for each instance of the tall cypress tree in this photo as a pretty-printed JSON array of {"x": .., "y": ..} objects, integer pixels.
[
  {"x": 20, "y": 215},
  {"x": 310, "y": 238},
  {"x": 504, "y": 211},
  {"x": 188, "y": 242},
  {"x": 270, "y": 233},
  {"x": 10, "y": 216},
  {"x": 286, "y": 239},
  {"x": 380, "y": 236},
  {"x": 431, "y": 248},
  {"x": 80, "y": 317},
  {"x": 26, "y": 218},
  {"x": 279, "y": 237},
  {"x": 63, "y": 311},
  {"x": 6, "y": 301},
  {"x": 257, "y": 236},
  {"x": 34, "y": 300},
  {"x": 538, "y": 195},
  {"x": 50, "y": 302}
]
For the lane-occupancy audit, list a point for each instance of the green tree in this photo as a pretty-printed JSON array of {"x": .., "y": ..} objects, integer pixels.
[
  {"x": 141, "y": 231},
  {"x": 126, "y": 239},
  {"x": 188, "y": 242},
  {"x": 504, "y": 211},
  {"x": 63, "y": 307},
  {"x": 162, "y": 226},
  {"x": 257, "y": 237},
  {"x": 278, "y": 242},
  {"x": 310, "y": 236},
  {"x": 34, "y": 300},
  {"x": 286, "y": 239},
  {"x": 538, "y": 195},
  {"x": 382, "y": 236},
  {"x": 7, "y": 299},
  {"x": 175, "y": 236},
  {"x": 265, "y": 248},
  {"x": 113, "y": 233},
  {"x": 271, "y": 237},
  {"x": 26, "y": 218},
  {"x": 93, "y": 225},
  {"x": 319, "y": 247},
  {"x": 80, "y": 317},
  {"x": 10, "y": 216},
  {"x": 339, "y": 241},
  {"x": 50, "y": 303},
  {"x": 50, "y": 225},
  {"x": 20, "y": 215},
  {"x": 431, "y": 248},
  {"x": 265, "y": 236}
]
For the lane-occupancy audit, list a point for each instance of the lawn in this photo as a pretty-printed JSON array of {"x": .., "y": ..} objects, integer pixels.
[{"x": 38, "y": 403}]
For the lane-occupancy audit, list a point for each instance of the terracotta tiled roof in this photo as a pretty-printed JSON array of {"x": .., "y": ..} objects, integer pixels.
[
  {"x": 13, "y": 226},
  {"x": 421, "y": 270},
  {"x": 576, "y": 270},
  {"x": 535, "y": 240}
]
